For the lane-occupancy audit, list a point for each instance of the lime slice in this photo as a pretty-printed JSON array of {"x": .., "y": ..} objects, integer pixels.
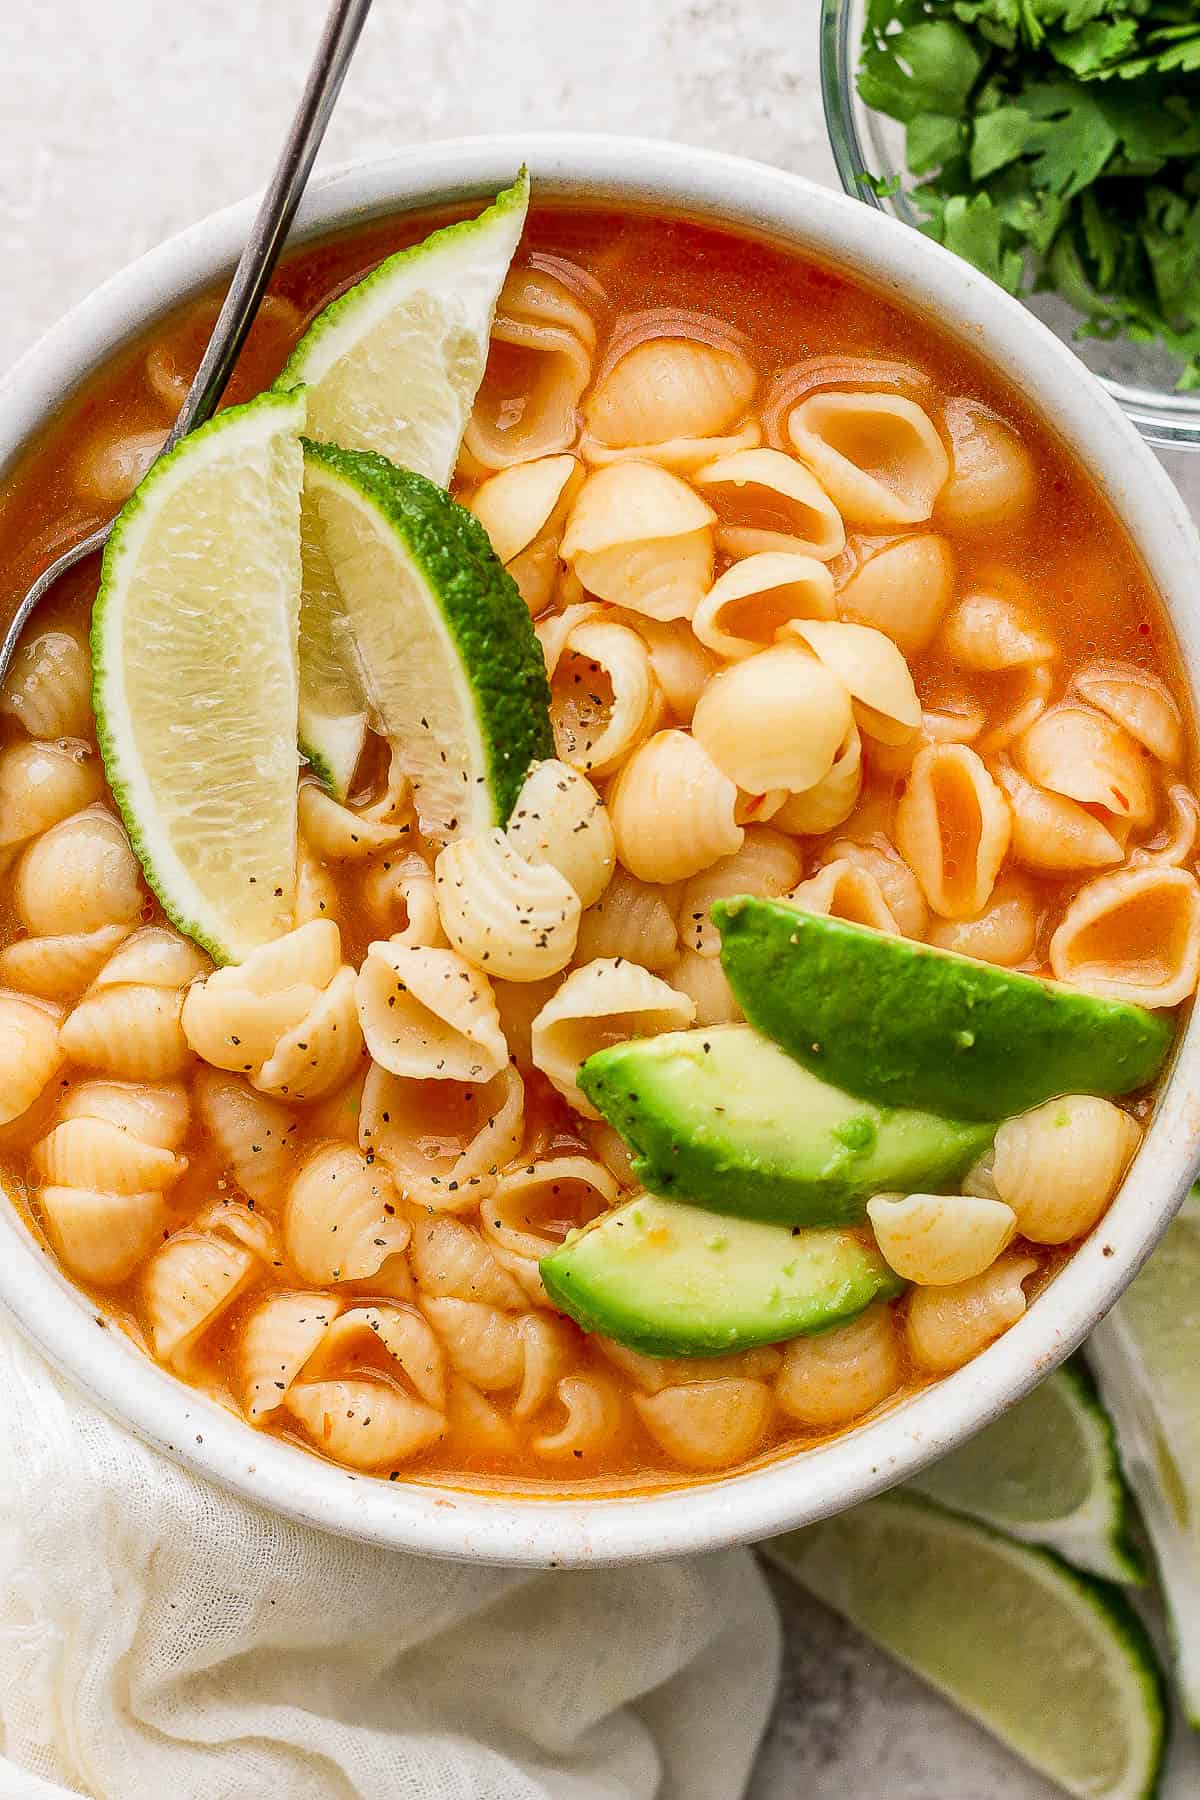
[
  {"x": 1056, "y": 1664},
  {"x": 453, "y": 669},
  {"x": 1145, "y": 1358},
  {"x": 1047, "y": 1472},
  {"x": 195, "y": 690},
  {"x": 392, "y": 365}
]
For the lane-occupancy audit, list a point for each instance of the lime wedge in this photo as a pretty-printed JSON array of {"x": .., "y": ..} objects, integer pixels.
[
  {"x": 451, "y": 664},
  {"x": 1145, "y": 1355},
  {"x": 1047, "y": 1472},
  {"x": 391, "y": 365},
  {"x": 1056, "y": 1664},
  {"x": 194, "y": 650}
]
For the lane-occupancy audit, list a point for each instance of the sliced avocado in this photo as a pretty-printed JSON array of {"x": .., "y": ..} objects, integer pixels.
[
  {"x": 725, "y": 1119},
  {"x": 902, "y": 1023},
  {"x": 673, "y": 1280}
]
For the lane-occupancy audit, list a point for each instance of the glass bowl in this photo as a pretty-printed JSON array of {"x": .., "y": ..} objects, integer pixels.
[{"x": 1140, "y": 377}]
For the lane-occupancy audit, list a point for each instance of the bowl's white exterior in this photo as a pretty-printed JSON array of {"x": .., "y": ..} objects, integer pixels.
[{"x": 475, "y": 1527}]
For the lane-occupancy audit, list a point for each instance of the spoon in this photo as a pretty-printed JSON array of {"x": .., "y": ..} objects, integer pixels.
[{"x": 250, "y": 278}]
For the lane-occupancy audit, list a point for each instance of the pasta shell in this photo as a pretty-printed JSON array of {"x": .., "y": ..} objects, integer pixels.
[
  {"x": 131, "y": 1032},
  {"x": 669, "y": 388},
  {"x": 401, "y": 1331},
  {"x": 94, "y": 1153},
  {"x": 817, "y": 374},
  {"x": 1172, "y": 846},
  {"x": 444, "y": 1142},
  {"x": 321, "y": 1051},
  {"x": 516, "y": 506},
  {"x": 59, "y": 968},
  {"x": 1005, "y": 932},
  {"x": 953, "y": 827},
  {"x": 830, "y": 1378},
  {"x": 642, "y": 538},
  {"x": 681, "y": 664},
  {"x": 1138, "y": 701},
  {"x": 878, "y": 456},
  {"x": 767, "y": 865},
  {"x": 475, "y": 1424},
  {"x": 776, "y": 720},
  {"x": 991, "y": 632},
  {"x": 633, "y": 919},
  {"x": 1133, "y": 935},
  {"x": 1051, "y": 833},
  {"x": 902, "y": 589},
  {"x": 768, "y": 502},
  {"x": 341, "y": 1221},
  {"x": 601, "y": 1003},
  {"x": 992, "y": 478},
  {"x": 654, "y": 1373},
  {"x": 277, "y": 1340},
  {"x": 101, "y": 1236},
  {"x": 48, "y": 688},
  {"x": 537, "y": 1203},
  {"x": 707, "y": 1424},
  {"x": 896, "y": 882},
  {"x": 42, "y": 784},
  {"x": 79, "y": 875},
  {"x": 31, "y": 1052},
  {"x": 593, "y": 1418},
  {"x": 341, "y": 834},
  {"x": 748, "y": 604},
  {"x": 947, "y": 1326},
  {"x": 830, "y": 801},
  {"x": 704, "y": 982},
  {"x": 843, "y": 890},
  {"x": 449, "y": 1257},
  {"x": 605, "y": 698},
  {"x": 873, "y": 672},
  {"x": 516, "y": 919},
  {"x": 543, "y": 339},
  {"x": 187, "y": 1285},
  {"x": 363, "y": 1424},
  {"x": 401, "y": 899},
  {"x": 560, "y": 821},
  {"x": 107, "y": 469},
  {"x": 255, "y": 1137},
  {"x": 937, "y": 1240},
  {"x": 156, "y": 1114},
  {"x": 1030, "y": 689},
  {"x": 672, "y": 809},
  {"x": 549, "y": 1346},
  {"x": 482, "y": 1342},
  {"x": 1084, "y": 755},
  {"x": 1059, "y": 1165},
  {"x": 427, "y": 1013}
]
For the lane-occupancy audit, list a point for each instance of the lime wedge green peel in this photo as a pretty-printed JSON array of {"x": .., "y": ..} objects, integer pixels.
[
  {"x": 1047, "y": 1473},
  {"x": 451, "y": 663},
  {"x": 1055, "y": 1663},
  {"x": 1145, "y": 1358},
  {"x": 393, "y": 365},
  {"x": 194, "y": 650}
]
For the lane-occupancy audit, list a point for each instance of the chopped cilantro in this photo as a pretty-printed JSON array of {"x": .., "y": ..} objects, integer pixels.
[{"x": 1058, "y": 146}]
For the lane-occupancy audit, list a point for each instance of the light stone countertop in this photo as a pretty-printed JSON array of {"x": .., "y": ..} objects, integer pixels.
[{"x": 124, "y": 120}]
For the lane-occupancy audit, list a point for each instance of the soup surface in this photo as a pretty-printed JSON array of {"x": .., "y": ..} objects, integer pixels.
[{"x": 697, "y": 455}]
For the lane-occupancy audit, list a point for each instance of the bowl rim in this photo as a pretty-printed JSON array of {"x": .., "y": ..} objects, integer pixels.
[{"x": 794, "y": 1490}]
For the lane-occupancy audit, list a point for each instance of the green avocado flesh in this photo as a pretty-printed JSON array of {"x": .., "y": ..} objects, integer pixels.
[
  {"x": 673, "y": 1280},
  {"x": 903, "y": 1024},
  {"x": 725, "y": 1119}
]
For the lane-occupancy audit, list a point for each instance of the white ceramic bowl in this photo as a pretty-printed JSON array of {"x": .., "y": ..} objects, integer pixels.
[{"x": 474, "y": 1527}]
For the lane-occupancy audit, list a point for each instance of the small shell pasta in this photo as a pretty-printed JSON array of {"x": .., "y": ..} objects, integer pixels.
[
  {"x": 593, "y": 1412},
  {"x": 543, "y": 340},
  {"x": 991, "y": 473},
  {"x": 704, "y": 982},
  {"x": 640, "y": 537},
  {"x": 276, "y": 1342},
  {"x": 1133, "y": 935},
  {"x": 523, "y": 510},
  {"x": 833, "y": 1377},
  {"x": 902, "y": 588},
  {"x": 560, "y": 821},
  {"x": 1085, "y": 756},
  {"x": 449, "y": 1257},
  {"x": 1049, "y": 832},
  {"x": 128, "y": 1022},
  {"x": 429, "y": 1014},
  {"x": 673, "y": 809},
  {"x": 31, "y": 1051},
  {"x": 1059, "y": 1165},
  {"x": 516, "y": 919},
  {"x": 42, "y": 784},
  {"x": 878, "y": 456},
  {"x": 667, "y": 391},
  {"x": 681, "y": 664},
  {"x": 633, "y": 919},
  {"x": 604, "y": 696},
  {"x": 537, "y": 1203},
  {"x": 445, "y": 1142},
  {"x": 601, "y": 1003},
  {"x": 768, "y": 864},
  {"x": 316, "y": 891},
  {"x": 48, "y": 688},
  {"x": 707, "y": 1424},
  {"x": 1005, "y": 932},
  {"x": 953, "y": 828},
  {"x": 946, "y": 1326},
  {"x": 992, "y": 632},
  {"x": 872, "y": 671},
  {"x": 79, "y": 875},
  {"x": 107, "y": 469},
  {"x": 936, "y": 1240},
  {"x": 776, "y": 720},
  {"x": 340, "y": 1222},
  {"x": 1138, "y": 701},
  {"x": 830, "y": 801},
  {"x": 256, "y": 1137},
  {"x": 846, "y": 890},
  {"x": 401, "y": 899},
  {"x": 767, "y": 502},
  {"x": 190, "y": 1283},
  {"x": 878, "y": 857},
  {"x": 340, "y": 834},
  {"x": 59, "y": 968},
  {"x": 753, "y": 599},
  {"x": 364, "y": 1424},
  {"x": 482, "y": 1343}
]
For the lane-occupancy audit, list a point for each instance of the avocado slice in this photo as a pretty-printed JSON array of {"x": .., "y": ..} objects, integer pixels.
[
  {"x": 673, "y": 1280},
  {"x": 903, "y": 1023},
  {"x": 725, "y": 1119}
]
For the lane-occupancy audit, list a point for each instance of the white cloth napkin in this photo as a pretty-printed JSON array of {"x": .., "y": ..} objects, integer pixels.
[{"x": 163, "y": 1640}]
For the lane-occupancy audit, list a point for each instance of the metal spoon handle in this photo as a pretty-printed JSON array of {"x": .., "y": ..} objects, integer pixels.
[{"x": 250, "y": 278}]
